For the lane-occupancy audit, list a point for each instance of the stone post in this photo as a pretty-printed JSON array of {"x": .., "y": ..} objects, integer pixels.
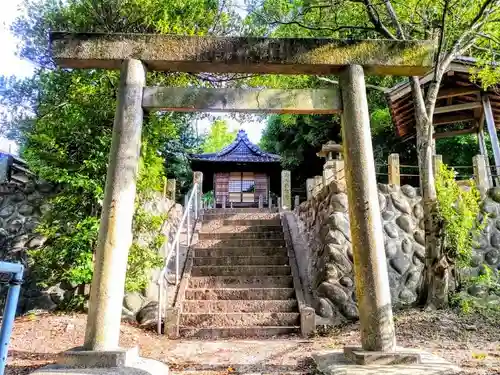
[
  {"x": 198, "y": 178},
  {"x": 172, "y": 185},
  {"x": 296, "y": 202},
  {"x": 261, "y": 201},
  {"x": 437, "y": 160},
  {"x": 286, "y": 190},
  {"x": 115, "y": 231},
  {"x": 370, "y": 265},
  {"x": 309, "y": 188},
  {"x": 393, "y": 170},
  {"x": 318, "y": 185},
  {"x": 481, "y": 174},
  {"x": 224, "y": 202}
]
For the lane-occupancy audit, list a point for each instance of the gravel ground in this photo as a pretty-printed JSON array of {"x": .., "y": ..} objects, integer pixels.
[{"x": 472, "y": 342}]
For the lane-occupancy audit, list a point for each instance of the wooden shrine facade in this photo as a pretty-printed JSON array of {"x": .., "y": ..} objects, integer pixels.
[{"x": 240, "y": 173}]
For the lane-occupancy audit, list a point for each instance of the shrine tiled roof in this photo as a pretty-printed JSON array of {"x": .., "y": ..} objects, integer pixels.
[{"x": 241, "y": 150}]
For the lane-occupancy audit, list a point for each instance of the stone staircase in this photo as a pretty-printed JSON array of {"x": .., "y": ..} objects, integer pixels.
[{"x": 239, "y": 279}]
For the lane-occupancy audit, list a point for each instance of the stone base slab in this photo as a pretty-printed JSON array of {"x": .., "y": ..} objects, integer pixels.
[
  {"x": 141, "y": 366},
  {"x": 364, "y": 357},
  {"x": 82, "y": 358},
  {"x": 336, "y": 363}
]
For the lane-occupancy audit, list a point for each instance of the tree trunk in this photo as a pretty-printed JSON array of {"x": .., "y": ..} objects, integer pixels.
[{"x": 435, "y": 282}]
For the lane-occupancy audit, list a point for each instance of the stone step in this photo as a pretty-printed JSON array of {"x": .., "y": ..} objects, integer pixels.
[
  {"x": 241, "y": 282},
  {"x": 236, "y": 229},
  {"x": 239, "y": 251},
  {"x": 212, "y": 211},
  {"x": 238, "y": 242},
  {"x": 260, "y": 319},
  {"x": 256, "y": 222},
  {"x": 240, "y": 270},
  {"x": 251, "y": 216},
  {"x": 243, "y": 306},
  {"x": 237, "y": 332},
  {"x": 240, "y": 294},
  {"x": 216, "y": 235},
  {"x": 241, "y": 261}
]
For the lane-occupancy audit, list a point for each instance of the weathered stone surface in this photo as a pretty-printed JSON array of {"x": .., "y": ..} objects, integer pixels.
[
  {"x": 43, "y": 303},
  {"x": 401, "y": 203},
  {"x": 400, "y": 264},
  {"x": 418, "y": 211},
  {"x": 419, "y": 237},
  {"x": 346, "y": 281},
  {"x": 133, "y": 302},
  {"x": 338, "y": 202},
  {"x": 409, "y": 191},
  {"x": 405, "y": 252},
  {"x": 391, "y": 248},
  {"x": 148, "y": 315},
  {"x": 382, "y": 201},
  {"x": 495, "y": 240},
  {"x": 350, "y": 311},
  {"x": 240, "y": 54},
  {"x": 25, "y": 209},
  {"x": 334, "y": 293},
  {"x": 388, "y": 215},
  {"x": 36, "y": 241},
  {"x": 494, "y": 193},
  {"x": 405, "y": 223},
  {"x": 491, "y": 257},
  {"x": 325, "y": 309},
  {"x": 391, "y": 230},
  {"x": 340, "y": 222},
  {"x": 7, "y": 211},
  {"x": 406, "y": 245}
]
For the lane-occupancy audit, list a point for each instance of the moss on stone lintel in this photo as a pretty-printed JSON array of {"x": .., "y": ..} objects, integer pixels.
[{"x": 241, "y": 54}]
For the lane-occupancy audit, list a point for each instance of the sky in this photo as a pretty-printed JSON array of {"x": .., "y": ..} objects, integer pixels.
[{"x": 10, "y": 64}]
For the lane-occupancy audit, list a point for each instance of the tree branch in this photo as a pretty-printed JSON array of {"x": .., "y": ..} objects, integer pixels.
[
  {"x": 394, "y": 19},
  {"x": 319, "y": 28},
  {"x": 375, "y": 19}
]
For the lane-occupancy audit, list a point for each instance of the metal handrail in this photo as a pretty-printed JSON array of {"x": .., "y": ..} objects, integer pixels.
[{"x": 191, "y": 200}]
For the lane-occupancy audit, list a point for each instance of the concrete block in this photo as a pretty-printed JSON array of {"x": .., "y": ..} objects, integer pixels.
[
  {"x": 365, "y": 357},
  {"x": 81, "y": 358},
  {"x": 307, "y": 321},
  {"x": 141, "y": 366},
  {"x": 335, "y": 363}
]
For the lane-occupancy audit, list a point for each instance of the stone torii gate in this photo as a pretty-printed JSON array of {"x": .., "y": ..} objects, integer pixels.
[{"x": 136, "y": 53}]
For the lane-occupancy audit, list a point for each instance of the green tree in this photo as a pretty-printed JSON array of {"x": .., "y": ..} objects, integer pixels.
[
  {"x": 63, "y": 121},
  {"x": 469, "y": 26},
  {"x": 218, "y": 136}
]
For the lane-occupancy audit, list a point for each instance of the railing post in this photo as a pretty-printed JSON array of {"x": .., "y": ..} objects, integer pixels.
[
  {"x": 309, "y": 188},
  {"x": 188, "y": 223},
  {"x": 481, "y": 174},
  {"x": 9, "y": 313},
  {"x": 195, "y": 204},
  {"x": 224, "y": 202},
  {"x": 437, "y": 160},
  {"x": 393, "y": 170},
  {"x": 261, "y": 201},
  {"x": 177, "y": 263}
]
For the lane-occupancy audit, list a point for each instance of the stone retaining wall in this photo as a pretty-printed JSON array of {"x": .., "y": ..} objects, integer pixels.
[
  {"x": 21, "y": 207},
  {"x": 326, "y": 263},
  {"x": 325, "y": 227}
]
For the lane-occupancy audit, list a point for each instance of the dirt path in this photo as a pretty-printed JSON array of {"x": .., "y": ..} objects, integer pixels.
[{"x": 471, "y": 342}]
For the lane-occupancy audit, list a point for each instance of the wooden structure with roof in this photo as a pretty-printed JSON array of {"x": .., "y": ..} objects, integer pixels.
[
  {"x": 460, "y": 101},
  {"x": 239, "y": 173}
]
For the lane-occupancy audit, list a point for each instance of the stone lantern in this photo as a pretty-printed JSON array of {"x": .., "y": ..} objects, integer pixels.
[{"x": 333, "y": 168}]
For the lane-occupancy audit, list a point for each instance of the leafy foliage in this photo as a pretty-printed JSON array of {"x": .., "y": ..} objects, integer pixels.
[
  {"x": 458, "y": 210},
  {"x": 63, "y": 121},
  {"x": 218, "y": 137}
]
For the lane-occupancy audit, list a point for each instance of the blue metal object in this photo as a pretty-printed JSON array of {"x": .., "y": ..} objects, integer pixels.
[{"x": 15, "y": 280}]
